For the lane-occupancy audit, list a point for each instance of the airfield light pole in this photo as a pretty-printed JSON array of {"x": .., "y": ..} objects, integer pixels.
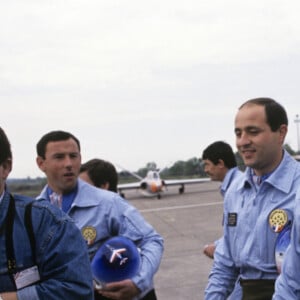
[{"x": 297, "y": 121}]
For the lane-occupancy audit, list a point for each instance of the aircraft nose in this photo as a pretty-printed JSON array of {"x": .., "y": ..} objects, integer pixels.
[{"x": 155, "y": 188}]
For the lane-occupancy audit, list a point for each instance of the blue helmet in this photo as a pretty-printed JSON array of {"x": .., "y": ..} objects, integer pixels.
[{"x": 117, "y": 259}]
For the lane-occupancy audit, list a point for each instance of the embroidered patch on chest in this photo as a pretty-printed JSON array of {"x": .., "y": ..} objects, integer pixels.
[
  {"x": 89, "y": 233},
  {"x": 277, "y": 219}
]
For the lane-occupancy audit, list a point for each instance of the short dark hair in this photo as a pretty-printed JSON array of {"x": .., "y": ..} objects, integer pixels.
[
  {"x": 5, "y": 148},
  {"x": 275, "y": 112},
  {"x": 220, "y": 150},
  {"x": 53, "y": 136},
  {"x": 101, "y": 172}
]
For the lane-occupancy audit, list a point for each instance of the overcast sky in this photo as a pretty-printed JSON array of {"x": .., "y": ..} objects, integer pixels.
[{"x": 139, "y": 81}]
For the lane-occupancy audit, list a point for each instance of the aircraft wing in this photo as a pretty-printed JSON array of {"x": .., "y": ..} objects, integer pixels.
[
  {"x": 129, "y": 186},
  {"x": 185, "y": 181},
  {"x": 168, "y": 182}
]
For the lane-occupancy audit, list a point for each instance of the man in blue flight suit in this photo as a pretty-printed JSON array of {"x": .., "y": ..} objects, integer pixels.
[
  {"x": 258, "y": 206},
  {"x": 103, "y": 174},
  {"x": 42, "y": 253},
  {"x": 220, "y": 165},
  {"x": 100, "y": 214}
]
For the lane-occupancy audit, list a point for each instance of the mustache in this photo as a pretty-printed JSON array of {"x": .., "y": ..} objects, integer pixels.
[{"x": 246, "y": 147}]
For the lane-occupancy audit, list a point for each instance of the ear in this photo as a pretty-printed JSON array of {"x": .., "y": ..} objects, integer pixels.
[
  {"x": 7, "y": 166},
  {"x": 40, "y": 163},
  {"x": 221, "y": 163},
  {"x": 105, "y": 186},
  {"x": 283, "y": 129}
]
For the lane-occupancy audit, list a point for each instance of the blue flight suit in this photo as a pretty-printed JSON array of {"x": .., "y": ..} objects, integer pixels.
[
  {"x": 231, "y": 175},
  {"x": 248, "y": 247},
  {"x": 101, "y": 214}
]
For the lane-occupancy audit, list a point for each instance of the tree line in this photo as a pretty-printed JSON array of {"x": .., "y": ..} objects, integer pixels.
[{"x": 192, "y": 167}]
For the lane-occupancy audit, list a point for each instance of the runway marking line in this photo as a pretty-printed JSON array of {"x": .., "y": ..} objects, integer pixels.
[{"x": 180, "y": 206}]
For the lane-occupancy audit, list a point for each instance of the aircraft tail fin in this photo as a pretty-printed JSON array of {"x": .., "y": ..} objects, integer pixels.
[{"x": 132, "y": 173}]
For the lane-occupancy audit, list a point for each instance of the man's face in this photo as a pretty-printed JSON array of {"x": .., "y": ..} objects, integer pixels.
[
  {"x": 61, "y": 165},
  {"x": 259, "y": 146},
  {"x": 215, "y": 171},
  {"x": 5, "y": 169}
]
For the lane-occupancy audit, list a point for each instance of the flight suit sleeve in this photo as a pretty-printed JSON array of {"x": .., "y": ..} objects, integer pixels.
[
  {"x": 135, "y": 227},
  {"x": 223, "y": 275}
]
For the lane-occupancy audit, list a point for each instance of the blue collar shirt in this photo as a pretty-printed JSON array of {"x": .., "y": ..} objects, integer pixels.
[{"x": 231, "y": 174}]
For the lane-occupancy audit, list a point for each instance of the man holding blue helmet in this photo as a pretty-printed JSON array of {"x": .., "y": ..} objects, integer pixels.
[{"x": 99, "y": 214}]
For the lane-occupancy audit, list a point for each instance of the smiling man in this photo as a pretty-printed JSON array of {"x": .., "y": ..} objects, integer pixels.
[{"x": 258, "y": 206}]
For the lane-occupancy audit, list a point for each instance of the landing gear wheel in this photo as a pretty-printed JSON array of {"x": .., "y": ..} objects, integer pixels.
[{"x": 181, "y": 190}]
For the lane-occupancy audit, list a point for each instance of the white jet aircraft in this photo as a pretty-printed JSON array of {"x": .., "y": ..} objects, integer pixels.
[{"x": 153, "y": 185}]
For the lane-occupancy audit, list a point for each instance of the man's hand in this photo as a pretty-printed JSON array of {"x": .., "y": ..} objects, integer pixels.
[
  {"x": 209, "y": 250},
  {"x": 9, "y": 296},
  {"x": 121, "y": 290}
]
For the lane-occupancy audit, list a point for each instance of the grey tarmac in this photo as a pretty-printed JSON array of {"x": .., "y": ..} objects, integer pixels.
[{"x": 187, "y": 222}]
